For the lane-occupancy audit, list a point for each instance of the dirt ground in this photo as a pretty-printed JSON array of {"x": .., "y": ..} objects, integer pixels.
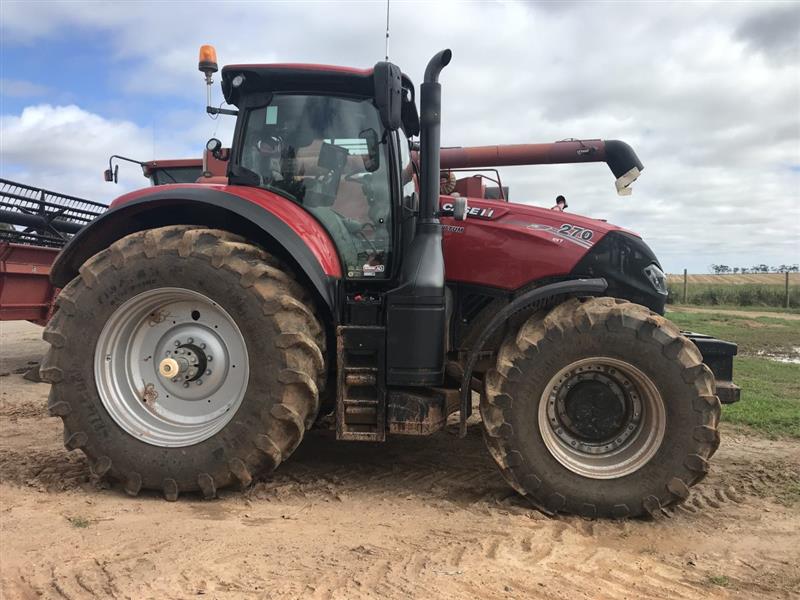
[{"x": 414, "y": 517}]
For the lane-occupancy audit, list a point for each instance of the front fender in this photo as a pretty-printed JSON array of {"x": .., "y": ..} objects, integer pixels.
[
  {"x": 535, "y": 297},
  {"x": 276, "y": 223}
]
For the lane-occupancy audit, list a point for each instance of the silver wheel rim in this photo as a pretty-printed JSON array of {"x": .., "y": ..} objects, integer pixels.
[
  {"x": 171, "y": 367},
  {"x": 625, "y": 442}
]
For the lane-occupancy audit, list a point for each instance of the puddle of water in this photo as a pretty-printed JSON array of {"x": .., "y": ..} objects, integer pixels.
[{"x": 790, "y": 358}]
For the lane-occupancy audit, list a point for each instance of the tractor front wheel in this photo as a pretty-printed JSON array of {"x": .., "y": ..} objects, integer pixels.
[
  {"x": 184, "y": 358},
  {"x": 600, "y": 408}
]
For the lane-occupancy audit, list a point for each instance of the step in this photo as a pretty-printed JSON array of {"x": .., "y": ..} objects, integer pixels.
[{"x": 362, "y": 378}]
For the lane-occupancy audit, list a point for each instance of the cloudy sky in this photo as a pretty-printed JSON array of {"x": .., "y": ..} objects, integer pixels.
[{"x": 708, "y": 95}]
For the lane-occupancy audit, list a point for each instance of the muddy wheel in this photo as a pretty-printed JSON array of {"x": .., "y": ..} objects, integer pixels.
[
  {"x": 184, "y": 359},
  {"x": 600, "y": 408}
]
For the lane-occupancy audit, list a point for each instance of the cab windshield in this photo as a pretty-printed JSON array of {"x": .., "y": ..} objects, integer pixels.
[{"x": 330, "y": 155}]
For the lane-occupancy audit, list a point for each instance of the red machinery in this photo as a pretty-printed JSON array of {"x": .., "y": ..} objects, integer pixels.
[
  {"x": 34, "y": 225},
  {"x": 175, "y": 170},
  {"x": 202, "y": 329},
  {"x": 618, "y": 155}
]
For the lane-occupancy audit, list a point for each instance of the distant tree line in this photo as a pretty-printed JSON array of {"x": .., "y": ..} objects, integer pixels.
[{"x": 721, "y": 269}]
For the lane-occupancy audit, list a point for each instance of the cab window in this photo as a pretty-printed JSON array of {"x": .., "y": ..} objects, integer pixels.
[
  {"x": 330, "y": 155},
  {"x": 407, "y": 176}
]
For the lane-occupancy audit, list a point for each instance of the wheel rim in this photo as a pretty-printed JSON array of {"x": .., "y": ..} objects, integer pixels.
[
  {"x": 602, "y": 418},
  {"x": 171, "y": 367}
]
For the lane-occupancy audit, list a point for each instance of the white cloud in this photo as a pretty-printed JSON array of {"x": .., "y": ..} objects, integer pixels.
[
  {"x": 66, "y": 149},
  {"x": 707, "y": 93}
]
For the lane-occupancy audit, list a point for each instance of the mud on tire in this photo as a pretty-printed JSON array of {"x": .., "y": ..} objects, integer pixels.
[
  {"x": 284, "y": 340},
  {"x": 624, "y": 333}
]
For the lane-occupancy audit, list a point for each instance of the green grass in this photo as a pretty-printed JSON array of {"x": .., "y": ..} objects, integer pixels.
[
  {"x": 79, "y": 522},
  {"x": 770, "y": 390},
  {"x": 770, "y": 397},
  {"x": 769, "y": 309},
  {"x": 760, "y": 334},
  {"x": 755, "y": 295},
  {"x": 720, "y": 580}
]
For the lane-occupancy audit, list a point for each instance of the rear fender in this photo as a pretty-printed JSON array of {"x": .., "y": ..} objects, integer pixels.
[{"x": 275, "y": 223}]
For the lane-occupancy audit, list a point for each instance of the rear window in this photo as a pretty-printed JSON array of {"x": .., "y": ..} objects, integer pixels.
[{"x": 160, "y": 176}]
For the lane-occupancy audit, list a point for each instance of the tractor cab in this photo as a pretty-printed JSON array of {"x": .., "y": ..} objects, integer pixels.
[
  {"x": 324, "y": 137},
  {"x": 335, "y": 141}
]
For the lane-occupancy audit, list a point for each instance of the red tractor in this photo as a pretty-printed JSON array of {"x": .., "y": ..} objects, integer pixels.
[{"x": 203, "y": 329}]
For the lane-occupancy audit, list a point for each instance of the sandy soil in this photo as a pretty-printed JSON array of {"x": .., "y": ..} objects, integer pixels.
[{"x": 414, "y": 517}]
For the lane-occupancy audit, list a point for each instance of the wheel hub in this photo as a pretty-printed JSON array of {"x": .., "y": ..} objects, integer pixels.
[
  {"x": 601, "y": 417},
  {"x": 171, "y": 367},
  {"x": 594, "y": 410}
]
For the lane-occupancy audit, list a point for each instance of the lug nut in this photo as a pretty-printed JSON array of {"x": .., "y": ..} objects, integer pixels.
[
  {"x": 203, "y": 346},
  {"x": 190, "y": 341},
  {"x": 185, "y": 384},
  {"x": 208, "y": 371},
  {"x": 209, "y": 358},
  {"x": 177, "y": 343},
  {"x": 199, "y": 382}
]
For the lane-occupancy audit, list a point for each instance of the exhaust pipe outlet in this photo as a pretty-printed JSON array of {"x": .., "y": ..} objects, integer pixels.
[
  {"x": 430, "y": 136},
  {"x": 416, "y": 310},
  {"x": 435, "y": 65}
]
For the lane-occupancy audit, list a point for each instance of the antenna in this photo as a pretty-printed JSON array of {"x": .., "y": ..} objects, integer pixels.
[{"x": 387, "y": 30}]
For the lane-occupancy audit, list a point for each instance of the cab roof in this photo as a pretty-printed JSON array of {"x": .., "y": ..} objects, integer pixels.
[{"x": 296, "y": 77}]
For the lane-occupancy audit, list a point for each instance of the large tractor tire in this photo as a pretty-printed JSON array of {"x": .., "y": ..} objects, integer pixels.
[
  {"x": 600, "y": 408},
  {"x": 184, "y": 359}
]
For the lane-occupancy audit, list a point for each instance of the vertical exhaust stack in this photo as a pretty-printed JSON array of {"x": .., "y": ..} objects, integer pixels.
[
  {"x": 430, "y": 136},
  {"x": 416, "y": 321}
]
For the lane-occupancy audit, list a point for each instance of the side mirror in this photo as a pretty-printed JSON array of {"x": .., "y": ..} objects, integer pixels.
[
  {"x": 460, "y": 208},
  {"x": 372, "y": 159},
  {"x": 111, "y": 176},
  {"x": 387, "y": 79}
]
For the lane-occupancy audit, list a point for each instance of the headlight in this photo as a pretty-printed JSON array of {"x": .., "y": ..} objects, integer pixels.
[{"x": 656, "y": 277}]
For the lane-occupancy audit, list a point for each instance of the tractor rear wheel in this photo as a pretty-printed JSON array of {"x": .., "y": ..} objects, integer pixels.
[
  {"x": 600, "y": 408},
  {"x": 183, "y": 359}
]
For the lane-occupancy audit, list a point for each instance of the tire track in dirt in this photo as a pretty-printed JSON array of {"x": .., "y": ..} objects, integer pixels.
[
  {"x": 13, "y": 410},
  {"x": 44, "y": 470}
]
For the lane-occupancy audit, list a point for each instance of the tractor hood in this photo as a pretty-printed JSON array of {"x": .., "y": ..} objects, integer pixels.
[
  {"x": 513, "y": 246},
  {"x": 536, "y": 220}
]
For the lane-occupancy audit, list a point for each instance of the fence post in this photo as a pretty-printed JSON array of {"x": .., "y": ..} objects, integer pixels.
[
  {"x": 787, "y": 289},
  {"x": 684, "y": 286}
]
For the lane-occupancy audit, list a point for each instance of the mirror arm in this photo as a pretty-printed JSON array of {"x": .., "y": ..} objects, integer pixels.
[
  {"x": 213, "y": 110},
  {"x": 112, "y": 172}
]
